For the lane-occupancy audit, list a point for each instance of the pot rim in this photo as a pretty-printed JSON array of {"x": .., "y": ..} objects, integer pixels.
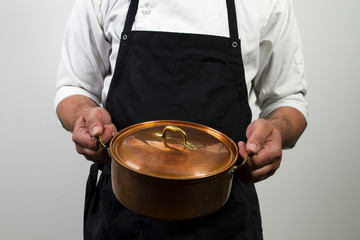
[{"x": 227, "y": 141}]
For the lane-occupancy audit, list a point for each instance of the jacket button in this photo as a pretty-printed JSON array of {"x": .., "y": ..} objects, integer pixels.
[{"x": 145, "y": 11}]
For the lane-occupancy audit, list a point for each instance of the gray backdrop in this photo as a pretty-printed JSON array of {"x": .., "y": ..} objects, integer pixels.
[{"x": 315, "y": 194}]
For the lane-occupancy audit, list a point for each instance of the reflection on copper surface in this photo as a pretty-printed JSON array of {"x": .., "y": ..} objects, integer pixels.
[{"x": 145, "y": 151}]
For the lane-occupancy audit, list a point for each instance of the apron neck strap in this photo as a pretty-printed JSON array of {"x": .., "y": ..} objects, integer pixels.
[
  {"x": 233, "y": 29},
  {"x": 130, "y": 17}
]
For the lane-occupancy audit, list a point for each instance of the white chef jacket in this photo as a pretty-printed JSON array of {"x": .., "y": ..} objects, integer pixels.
[{"x": 270, "y": 41}]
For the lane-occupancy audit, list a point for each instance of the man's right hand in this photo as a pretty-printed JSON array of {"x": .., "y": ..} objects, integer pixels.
[{"x": 90, "y": 125}]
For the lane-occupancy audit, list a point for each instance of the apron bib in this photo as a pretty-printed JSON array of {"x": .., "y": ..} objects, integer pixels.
[{"x": 176, "y": 76}]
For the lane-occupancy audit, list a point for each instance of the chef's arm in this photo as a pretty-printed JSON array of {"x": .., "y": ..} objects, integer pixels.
[
  {"x": 87, "y": 121},
  {"x": 290, "y": 122},
  {"x": 266, "y": 138},
  {"x": 71, "y": 108}
]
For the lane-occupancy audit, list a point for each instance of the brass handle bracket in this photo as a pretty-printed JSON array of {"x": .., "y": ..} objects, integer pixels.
[
  {"x": 179, "y": 130},
  {"x": 236, "y": 167},
  {"x": 104, "y": 146}
]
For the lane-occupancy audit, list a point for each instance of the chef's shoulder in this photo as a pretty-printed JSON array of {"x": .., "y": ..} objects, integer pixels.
[
  {"x": 104, "y": 7},
  {"x": 275, "y": 14}
]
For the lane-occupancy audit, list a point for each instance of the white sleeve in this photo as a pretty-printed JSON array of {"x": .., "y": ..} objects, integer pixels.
[
  {"x": 85, "y": 54},
  {"x": 281, "y": 80}
]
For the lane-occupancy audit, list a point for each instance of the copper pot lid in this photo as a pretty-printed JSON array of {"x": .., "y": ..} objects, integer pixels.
[{"x": 173, "y": 150}]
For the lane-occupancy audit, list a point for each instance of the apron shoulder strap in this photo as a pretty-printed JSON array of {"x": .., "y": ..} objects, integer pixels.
[
  {"x": 233, "y": 29},
  {"x": 130, "y": 17}
]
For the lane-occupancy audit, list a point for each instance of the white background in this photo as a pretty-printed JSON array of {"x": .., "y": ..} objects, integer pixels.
[{"x": 315, "y": 194}]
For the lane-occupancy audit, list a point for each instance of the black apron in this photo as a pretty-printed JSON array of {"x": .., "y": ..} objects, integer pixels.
[{"x": 164, "y": 76}]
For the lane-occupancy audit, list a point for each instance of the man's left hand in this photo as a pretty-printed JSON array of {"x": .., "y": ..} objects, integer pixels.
[{"x": 264, "y": 146}]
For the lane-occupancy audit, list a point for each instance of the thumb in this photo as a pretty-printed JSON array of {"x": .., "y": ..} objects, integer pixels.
[
  {"x": 96, "y": 130},
  {"x": 252, "y": 148},
  {"x": 257, "y": 134},
  {"x": 96, "y": 120}
]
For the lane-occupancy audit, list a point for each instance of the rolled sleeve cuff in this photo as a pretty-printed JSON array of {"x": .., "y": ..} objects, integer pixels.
[
  {"x": 67, "y": 91},
  {"x": 296, "y": 101}
]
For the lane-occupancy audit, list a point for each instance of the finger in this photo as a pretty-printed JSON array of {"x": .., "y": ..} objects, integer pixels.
[
  {"x": 263, "y": 158},
  {"x": 96, "y": 120},
  {"x": 99, "y": 156},
  {"x": 248, "y": 175},
  {"x": 82, "y": 137},
  {"x": 270, "y": 152},
  {"x": 264, "y": 173},
  {"x": 108, "y": 133},
  {"x": 257, "y": 134},
  {"x": 256, "y": 161},
  {"x": 242, "y": 149},
  {"x": 113, "y": 129}
]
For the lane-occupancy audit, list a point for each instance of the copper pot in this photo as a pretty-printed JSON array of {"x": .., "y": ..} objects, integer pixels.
[{"x": 172, "y": 169}]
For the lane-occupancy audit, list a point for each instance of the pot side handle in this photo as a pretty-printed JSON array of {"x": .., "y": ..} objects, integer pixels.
[
  {"x": 104, "y": 146},
  {"x": 236, "y": 167}
]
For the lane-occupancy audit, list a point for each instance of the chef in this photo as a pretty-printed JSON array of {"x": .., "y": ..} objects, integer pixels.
[{"x": 207, "y": 61}]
